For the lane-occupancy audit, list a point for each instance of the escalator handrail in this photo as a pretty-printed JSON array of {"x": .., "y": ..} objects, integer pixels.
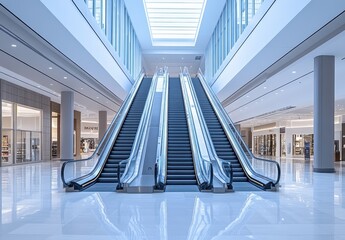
[
  {"x": 108, "y": 137},
  {"x": 209, "y": 144},
  {"x": 204, "y": 177},
  {"x": 161, "y": 159},
  {"x": 223, "y": 117},
  {"x": 132, "y": 166},
  {"x": 220, "y": 171}
]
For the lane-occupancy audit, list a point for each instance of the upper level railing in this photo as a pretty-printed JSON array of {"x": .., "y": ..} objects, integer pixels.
[{"x": 263, "y": 172}]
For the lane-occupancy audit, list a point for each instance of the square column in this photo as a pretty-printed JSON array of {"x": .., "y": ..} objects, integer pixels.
[
  {"x": 67, "y": 125},
  {"x": 102, "y": 124},
  {"x": 324, "y": 113}
]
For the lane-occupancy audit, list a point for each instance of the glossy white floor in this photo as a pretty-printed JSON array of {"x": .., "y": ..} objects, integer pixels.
[{"x": 308, "y": 206}]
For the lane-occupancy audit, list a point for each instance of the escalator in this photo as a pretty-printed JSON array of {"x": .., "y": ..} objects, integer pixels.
[
  {"x": 180, "y": 166},
  {"x": 220, "y": 141},
  {"x": 121, "y": 149}
]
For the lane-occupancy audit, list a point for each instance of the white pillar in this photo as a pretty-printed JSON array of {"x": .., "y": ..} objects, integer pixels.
[
  {"x": 324, "y": 114},
  {"x": 67, "y": 125},
  {"x": 102, "y": 124}
]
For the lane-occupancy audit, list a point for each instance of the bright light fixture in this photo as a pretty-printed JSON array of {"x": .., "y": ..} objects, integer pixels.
[
  {"x": 174, "y": 23},
  {"x": 13, "y": 45}
]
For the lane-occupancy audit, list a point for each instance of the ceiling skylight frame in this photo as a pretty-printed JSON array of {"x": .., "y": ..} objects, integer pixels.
[{"x": 174, "y": 23}]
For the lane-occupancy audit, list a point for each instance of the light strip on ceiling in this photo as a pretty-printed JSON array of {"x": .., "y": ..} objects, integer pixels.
[{"x": 175, "y": 21}]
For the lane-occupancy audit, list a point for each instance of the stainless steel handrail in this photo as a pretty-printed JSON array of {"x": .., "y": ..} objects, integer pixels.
[
  {"x": 204, "y": 168},
  {"x": 132, "y": 166},
  {"x": 219, "y": 170},
  {"x": 107, "y": 140},
  {"x": 243, "y": 151},
  {"x": 161, "y": 159}
]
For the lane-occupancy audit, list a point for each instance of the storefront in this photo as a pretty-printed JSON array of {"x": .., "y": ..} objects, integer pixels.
[
  {"x": 25, "y": 125},
  {"x": 21, "y": 133}
]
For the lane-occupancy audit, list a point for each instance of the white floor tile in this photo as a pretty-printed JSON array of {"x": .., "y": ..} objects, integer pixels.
[{"x": 308, "y": 206}]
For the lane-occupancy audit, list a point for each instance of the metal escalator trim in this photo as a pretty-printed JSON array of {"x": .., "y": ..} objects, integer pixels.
[
  {"x": 132, "y": 167},
  {"x": 229, "y": 141},
  {"x": 203, "y": 166},
  {"x": 247, "y": 168},
  {"x": 105, "y": 153}
]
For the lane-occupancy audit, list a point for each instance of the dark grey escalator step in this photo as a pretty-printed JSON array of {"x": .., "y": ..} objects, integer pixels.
[
  {"x": 240, "y": 179},
  {"x": 107, "y": 180},
  {"x": 181, "y": 172},
  {"x": 181, "y": 182},
  {"x": 181, "y": 177},
  {"x": 108, "y": 175},
  {"x": 191, "y": 167}
]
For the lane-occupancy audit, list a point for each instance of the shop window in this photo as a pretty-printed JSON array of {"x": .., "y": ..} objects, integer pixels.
[
  {"x": 55, "y": 135},
  {"x": 265, "y": 145},
  {"x": 21, "y": 134},
  {"x": 300, "y": 141},
  {"x": 28, "y": 118},
  {"x": 7, "y": 133}
]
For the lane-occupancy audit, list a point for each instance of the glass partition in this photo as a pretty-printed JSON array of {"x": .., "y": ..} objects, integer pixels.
[
  {"x": 21, "y": 134},
  {"x": 7, "y": 133}
]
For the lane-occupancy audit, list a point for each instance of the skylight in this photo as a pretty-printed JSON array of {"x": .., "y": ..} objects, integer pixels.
[{"x": 174, "y": 23}]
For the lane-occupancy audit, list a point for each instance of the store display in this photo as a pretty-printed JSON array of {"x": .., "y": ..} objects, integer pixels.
[{"x": 5, "y": 151}]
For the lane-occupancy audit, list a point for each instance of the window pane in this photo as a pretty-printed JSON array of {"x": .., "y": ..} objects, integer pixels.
[
  {"x": 7, "y": 115},
  {"x": 7, "y": 150},
  {"x": 28, "y": 118}
]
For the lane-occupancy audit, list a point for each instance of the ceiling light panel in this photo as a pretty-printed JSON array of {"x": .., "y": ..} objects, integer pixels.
[{"x": 174, "y": 21}]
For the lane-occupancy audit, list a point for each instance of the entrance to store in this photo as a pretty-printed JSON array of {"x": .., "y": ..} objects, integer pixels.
[{"x": 301, "y": 143}]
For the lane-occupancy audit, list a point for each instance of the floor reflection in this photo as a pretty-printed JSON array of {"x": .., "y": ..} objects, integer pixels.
[{"x": 308, "y": 206}]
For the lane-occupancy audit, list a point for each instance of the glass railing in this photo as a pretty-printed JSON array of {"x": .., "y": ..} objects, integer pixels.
[
  {"x": 263, "y": 172},
  {"x": 161, "y": 159},
  {"x": 133, "y": 161},
  {"x": 76, "y": 174},
  {"x": 221, "y": 169},
  {"x": 202, "y": 160}
]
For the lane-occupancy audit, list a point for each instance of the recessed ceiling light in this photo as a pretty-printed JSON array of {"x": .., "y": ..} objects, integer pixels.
[
  {"x": 50, "y": 68},
  {"x": 163, "y": 58},
  {"x": 38, "y": 86},
  {"x": 81, "y": 88},
  {"x": 293, "y": 71},
  {"x": 64, "y": 77},
  {"x": 282, "y": 90},
  {"x": 97, "y": 97},
  {"x": 248, "y": 96},
  {"x": 182, "y": 58},
  {"x": 265, "y": 87},
  {"x": 277, "y": 93},
  {"x": 51, "y": 84},
  {"x": 13, "y": 45}
]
